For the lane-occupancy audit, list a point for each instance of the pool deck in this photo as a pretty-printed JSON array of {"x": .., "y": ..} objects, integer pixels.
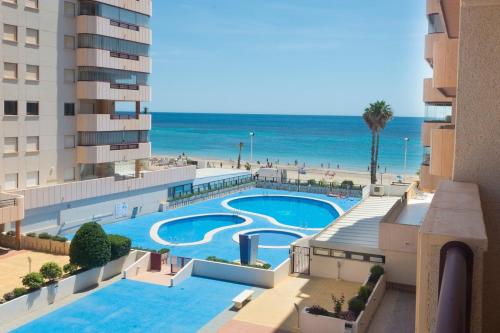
[{"x": 163, "y": 277}]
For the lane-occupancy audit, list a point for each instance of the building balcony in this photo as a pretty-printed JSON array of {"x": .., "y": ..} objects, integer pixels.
[
  {"x": 11, "y": 208},
  {"x": 450, "y": 10},
  {"x": 433, "y": 7},
  {"x": 113, "y": 153},
  {"x": 108, "y": 91},
  {"x": 103, "y": 26},
  {"x": 108, "y": 59},
  {"x": 427, "y": 128},
  {"x": 432, "y": 95},
  {"x": 112, "y": 122},
  {"x": 442, "y": 151},
  {"x": 445, "y": 64},
  {"x": 141, "y": 6},
  {"x": 430, "y": 40},
  {"x": 438, "y": 112}
]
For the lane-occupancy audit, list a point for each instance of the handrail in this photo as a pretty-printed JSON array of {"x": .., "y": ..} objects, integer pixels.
[
  {"x": 124, "y": 146},
  {"x": 8, "y": 203}
]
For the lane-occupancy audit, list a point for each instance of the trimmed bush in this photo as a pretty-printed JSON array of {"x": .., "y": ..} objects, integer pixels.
[
  {"x": 364, "y": 293},
  {"x": 376, "y": 272},
  {"x": 18, "y": 292},
  {"x": 163, "y": 250},
  {"x": 120, "y": 246},
  {"x": 347, "y": 184},
  {"x": 51, "y": 271},
  {"x": 44, "y": 235},
  {"x": 61, "y": 239},
  {"x": 31, "y": 234},
  {"x": 356, "y": 305},
  {"x": 90, "y": 247},
  {"x": 70, "y": 268},
  {"x": 11, "y": 233},
  {"x": 318, "y": 310},
  {"x": 33, "y": 280}
]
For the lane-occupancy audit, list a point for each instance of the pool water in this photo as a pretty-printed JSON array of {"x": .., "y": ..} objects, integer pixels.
[
  {"x": 132, "y": 306},
  {"x": 292, "y": 211},
  {"x": 274, "y": 238},
  {"x": 193, "y": 229}
]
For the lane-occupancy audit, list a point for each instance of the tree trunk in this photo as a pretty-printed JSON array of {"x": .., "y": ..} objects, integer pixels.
[
  {"x": 239, "y": 159},
  {"x": 373, "y": 165},
  {"x": 376, "y": 151}
]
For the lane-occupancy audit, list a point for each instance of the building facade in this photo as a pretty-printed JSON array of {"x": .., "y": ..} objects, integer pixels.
[{"x": 64, "y": 67}]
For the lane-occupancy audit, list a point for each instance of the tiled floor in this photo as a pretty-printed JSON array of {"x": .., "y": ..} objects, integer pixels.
[
  {"x": 396, "y": 304},
  {"x": 14, "y": 265},
  {"x": 162, "y": 277}
]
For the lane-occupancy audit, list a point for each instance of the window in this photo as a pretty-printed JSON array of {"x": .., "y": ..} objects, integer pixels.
[
  {"x": 119, "y": 16},
  {"x": 321, "y": 251},
  {"x": 69, "y": 174},
  {"x": 111, "y": 75},
  {"x": 32, "y": 179},
  {"x": 10, "y": 145},
  {"x": 69, "y": 141},
  {"x": 435, "y": 25},
  {"x": 31, "y": 36},
  {"x": 32, "y": 73},
  {"x": 10, "y": 182},
  {"x": 14, "y": 2},
  {"x": 10, "y": 32},
  {"x": 32, "y": 4},
  {"x": 9, "y": 71},
  {"x": 32, "y": 108},
  {"x": 69, "y": 42},
  {"x": 32, "y": 144},
  {"x": 69, "y": 76},
  {"x": 69, "y": 109},
  {"x": 10, "y": 108},
  {"x": 112, "y": 44},
  {"x": 69, "y": 8}
]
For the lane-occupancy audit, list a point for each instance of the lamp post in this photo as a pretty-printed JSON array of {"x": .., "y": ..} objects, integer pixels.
[
  {"x": 406, "y": 152},
  {"x": 252, "y": 134}
]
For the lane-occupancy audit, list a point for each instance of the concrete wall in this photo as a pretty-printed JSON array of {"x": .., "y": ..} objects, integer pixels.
[
  {"x": 350, "y": 270},
  {"x": 183, "y": 274},
  {"x": 141, "y": 265},
  {"x": 401, "y": 267}
]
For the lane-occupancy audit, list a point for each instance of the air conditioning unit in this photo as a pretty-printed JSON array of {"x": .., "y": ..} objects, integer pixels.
[{"x": 378, "y": 190}]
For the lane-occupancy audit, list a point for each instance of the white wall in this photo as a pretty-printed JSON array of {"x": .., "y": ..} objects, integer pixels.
[
  {"x": 401, "y": 267},
  {"x": 183, "y": 274},
  {"x": 350, "y": 270}
]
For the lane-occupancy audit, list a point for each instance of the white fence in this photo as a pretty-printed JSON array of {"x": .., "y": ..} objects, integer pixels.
[{"x": 183, "y": 274}]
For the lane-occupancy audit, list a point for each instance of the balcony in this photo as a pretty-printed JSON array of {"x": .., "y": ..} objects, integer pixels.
[
  {"x": 140, "y": 6},
  {"x": 107, "y": 59},
  {"x": 108, "y": 91},
  {"x": 442, "y": 151},
  {"x": 427, "y": 127},
  {"x": 451, "y": 16},
  {"x": 432, "y": 95},
  {"x": 445, "y": 62},
  {"x": 11, "y": 208},
  {"x": 112, "y": 153},
  {"x": 112, "y": 122},
  {"x": 438, "y": 112},
  {"x": 433, "y": 7},
  {"x": 430, "y": 40},
  {"x": 103, "y": 26}
]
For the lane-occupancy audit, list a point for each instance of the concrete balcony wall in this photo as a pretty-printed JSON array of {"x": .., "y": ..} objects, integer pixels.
[
  {"x": 428, "y": 182},
  {"x": 427, "y": 128},
  {"x": 433, "y": 7},
  {"x": 430, "y": 40},
  {"x": 432, "y": 95},
  {"x": 140, "y": 6},
  {"x": 101, "y": 26},
  {"x": 103, "y": 90},
  {"x": 74, "y": 191},
  {"x": 103, "y": 58},
  {"x": 104, "y": 154},
  {"x": 445, "y": 63},
  {"x": 442, "y": 152},
  {"x": 104, "y": 123},
  {"x": 450, "y": 10},
  {"x": 11, "y": 208}
]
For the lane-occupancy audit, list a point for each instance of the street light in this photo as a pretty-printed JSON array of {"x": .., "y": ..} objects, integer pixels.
[
  {"x": 252, "y": 134},
  {"x": 406, "y": 152}
]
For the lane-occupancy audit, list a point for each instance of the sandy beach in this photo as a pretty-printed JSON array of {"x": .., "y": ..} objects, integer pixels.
[{"x": 316, "y": 173}]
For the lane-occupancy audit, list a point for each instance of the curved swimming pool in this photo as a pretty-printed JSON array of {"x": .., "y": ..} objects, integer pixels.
[
  {"x": 195, "y": 228},
  {"x": 292, "y": 211},
  {"x": 272, "y": 238}
]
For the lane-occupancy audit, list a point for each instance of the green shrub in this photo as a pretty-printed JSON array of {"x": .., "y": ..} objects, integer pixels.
[
  {"x": 163, "y": 250},
  {"x": 318, "y": 310},
  {"x": 337, "y": 303},
  {"x": 18, "y": 292},
  {"x": 364, "y": 293},
  {"x": 51, "y": 271},
  {"x": 266, "y": 266},
  {"x": 120, "y": 246},
  {"x": 90, "y": 247},
  {"x": 8, "y": 297},
  {"x": 347, "y": 184},
  {"x": 31, "y": 234},
  {"x": 70, "y": 268},
  {"x": 44, "y": 235},
  {"x": 356, "y": 305},
  {"x": 11, "y": 233},
  {"x": 61, "y": 239},
  {"x": 224, "y": 261},
  {"x": 33, "y": 280},
  {"x": 311, "y": 182},
  {"x": 376, "y": 272}
]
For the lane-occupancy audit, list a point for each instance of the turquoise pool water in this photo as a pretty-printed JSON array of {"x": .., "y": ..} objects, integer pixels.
[
  {"x": 292, "y": 211},
  {"x": 131, "y": 306},
  {"x": 193, "y": 229},
  {"x": 274, "y": 237}
]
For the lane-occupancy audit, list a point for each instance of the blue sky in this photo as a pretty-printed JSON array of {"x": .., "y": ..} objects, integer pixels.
[{"x": 287, "y": 56}]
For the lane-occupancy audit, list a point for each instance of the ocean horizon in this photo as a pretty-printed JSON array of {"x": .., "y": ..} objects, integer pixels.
[{"x": 316, "y": 140}]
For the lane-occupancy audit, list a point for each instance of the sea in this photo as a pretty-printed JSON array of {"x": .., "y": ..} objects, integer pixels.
[{"x": 330, "y": 141}]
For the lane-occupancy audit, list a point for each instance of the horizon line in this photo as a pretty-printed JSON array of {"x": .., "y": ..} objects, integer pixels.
[{"x": 273, "y": 114}]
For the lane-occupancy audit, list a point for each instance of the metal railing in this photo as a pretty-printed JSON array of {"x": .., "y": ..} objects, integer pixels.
[
  {"x": 124, "y": 146},
  {"x": 8, "y": 203},
  {"x": 116, "y": 116}
]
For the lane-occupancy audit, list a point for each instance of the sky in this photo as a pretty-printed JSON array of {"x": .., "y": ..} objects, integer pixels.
[{"x": 327, "y": 57}]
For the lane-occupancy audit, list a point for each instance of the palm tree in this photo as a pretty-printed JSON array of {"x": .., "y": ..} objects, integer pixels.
[
  {"x": 376, "y": 116},
  {"x": 239, "y": 155}
]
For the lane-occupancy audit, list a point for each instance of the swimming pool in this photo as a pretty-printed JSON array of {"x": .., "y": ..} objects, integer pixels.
[
  {"x": 132, "y": 306},
  {"x": 272, "y": 238},
  {"x": 288, "y": 211}
]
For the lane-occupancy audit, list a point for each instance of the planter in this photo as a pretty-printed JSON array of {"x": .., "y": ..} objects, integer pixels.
[{"x": 311, "y": 323}]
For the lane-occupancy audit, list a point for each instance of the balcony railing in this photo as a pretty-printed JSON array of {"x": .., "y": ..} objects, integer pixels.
[
  {"x": 116, "y": 116},
  {"x": 124, "y": 86},
  {"x": 8, "y": 203},
  {"x": 124, "y": 25},
  {"x": 124, "y": 146},
  {"x": 438, "y": 112}
]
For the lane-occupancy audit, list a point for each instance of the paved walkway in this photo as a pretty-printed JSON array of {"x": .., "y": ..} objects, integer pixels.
[
  {"x": 162, "y": 277},
  {"x": 396, "y": 313},
  {"x": 14, "y": 265},
  {"x": 274, "y": 310}
]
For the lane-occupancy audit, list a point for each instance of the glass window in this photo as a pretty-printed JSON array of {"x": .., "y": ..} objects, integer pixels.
[
  {"x": 69, "y": 109},
  {"x": 69, "y": 42},
  {"x": 69, "y": 8},
  {"x": 10, "y": 32},
  {"x": 10, "y": 108},
  {"x": 112, "y": 44},
  {"x": 32, "y": 36},
  {"x": 32, "y": 108},
  {"x": 114, "y": 76},
  {"x": 32, "y": 144},
  {"x": 32, "y": 179},
  {"x": 9, "y": 71},
  {"x": 435, "y": 25},
  {"x": 32, "y": 73},
  {"x": 32, "y": 4},
  {"x": 10, "y": 145},
  {"x": 121, "y": 15},
  {"x": 10, "y": 182}
]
